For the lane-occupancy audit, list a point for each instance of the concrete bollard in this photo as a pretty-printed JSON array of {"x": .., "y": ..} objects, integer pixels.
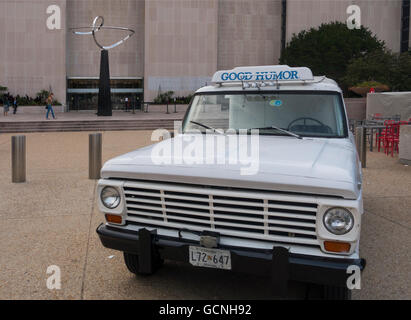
[
  {"x": 361, "y": 144},
  {"x": 364, "y": 147},
  {"x": 18, "y": 159},
  {"x": 94, "y": 155},
  {"x": 357, "y": 140}
]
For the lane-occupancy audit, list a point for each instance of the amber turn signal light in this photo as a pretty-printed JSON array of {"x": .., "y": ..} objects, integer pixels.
[
  {"x": 113, "y": 218},
  {"x": 334, "y": 246}
]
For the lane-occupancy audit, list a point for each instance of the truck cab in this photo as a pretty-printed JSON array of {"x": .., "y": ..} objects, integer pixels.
[{"x": 262, "y": 177}]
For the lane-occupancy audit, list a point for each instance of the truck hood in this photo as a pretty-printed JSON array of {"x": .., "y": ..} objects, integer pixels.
[{"x": 281, "y": 163}]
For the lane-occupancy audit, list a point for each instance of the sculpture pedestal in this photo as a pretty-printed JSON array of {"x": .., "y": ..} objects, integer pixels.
[{"x": 104, "y": 93}]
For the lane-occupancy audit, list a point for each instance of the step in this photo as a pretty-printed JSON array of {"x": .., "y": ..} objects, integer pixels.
[
  {"x": 57, "y": 125},
  {"x": 82, "y": 126}
]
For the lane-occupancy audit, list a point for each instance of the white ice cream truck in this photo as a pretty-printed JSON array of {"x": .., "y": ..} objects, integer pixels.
[{"x": 296, "y": 216}]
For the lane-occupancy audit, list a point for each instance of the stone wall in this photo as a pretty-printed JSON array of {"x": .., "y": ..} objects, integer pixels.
[
  {"x": 32, "y": 57},
  {"x": 356, "y": 108},
  {"x": 249, "y": 33},
  {"x": 382, "y": 17},
  {"x": 180, "y": 46},
  {"x": 405, "y": 145},
  {"x": 389, "y": 104}
]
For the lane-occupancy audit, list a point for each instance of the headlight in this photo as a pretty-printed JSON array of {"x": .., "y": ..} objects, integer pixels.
[
  {"x": 110, "y": 197},
  {"x": 338, "y": 220}
]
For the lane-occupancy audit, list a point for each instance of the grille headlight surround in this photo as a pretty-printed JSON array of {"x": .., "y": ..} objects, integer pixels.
[
  {"x": 110, "y": 197},
  {"x": 338, "y": 220}
]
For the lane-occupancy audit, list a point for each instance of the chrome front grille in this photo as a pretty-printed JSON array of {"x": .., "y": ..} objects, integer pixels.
[{"x": 244, "y": 213}]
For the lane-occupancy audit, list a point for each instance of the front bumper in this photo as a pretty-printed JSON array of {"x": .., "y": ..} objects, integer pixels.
[{"x": 277, "y": 263}]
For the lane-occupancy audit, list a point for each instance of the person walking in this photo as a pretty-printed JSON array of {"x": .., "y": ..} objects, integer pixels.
[
  {"x": 126, "y": 104},
  {"x": 15, "y": 106},
  {"x": 6, "y": 105},
  {"x": 49, "y": 107}
]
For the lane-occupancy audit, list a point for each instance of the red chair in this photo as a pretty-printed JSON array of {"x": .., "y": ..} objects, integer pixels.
[
  {"x": 389, "y": 137},
  {"x": 393, "y": 137},
  {"x": 381, "y": 137}
]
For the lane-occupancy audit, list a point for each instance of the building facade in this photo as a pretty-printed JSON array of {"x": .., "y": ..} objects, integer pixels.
[{"x": 178, "y": 44}]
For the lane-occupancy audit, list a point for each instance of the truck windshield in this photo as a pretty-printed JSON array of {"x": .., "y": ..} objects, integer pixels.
[{"x": 307, "y": 114}]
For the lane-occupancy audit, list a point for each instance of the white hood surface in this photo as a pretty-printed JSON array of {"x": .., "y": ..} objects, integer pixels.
[{"x": 281, "y": 163}]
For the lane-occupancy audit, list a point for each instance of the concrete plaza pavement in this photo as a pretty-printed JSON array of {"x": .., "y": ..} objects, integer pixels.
[{"x": 51, "y": 220}]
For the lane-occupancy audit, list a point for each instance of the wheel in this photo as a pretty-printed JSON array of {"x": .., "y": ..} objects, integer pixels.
[
  {"x": 323, "y": 292},
  {"x": 313, "y": 292},
  {"x": 133, "y": 265},
  {"x": 131, "y": 261},
  {"x": 336, "y": 293}
]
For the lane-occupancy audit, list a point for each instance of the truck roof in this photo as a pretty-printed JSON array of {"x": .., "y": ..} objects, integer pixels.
[{"x": 269, "y": 78}]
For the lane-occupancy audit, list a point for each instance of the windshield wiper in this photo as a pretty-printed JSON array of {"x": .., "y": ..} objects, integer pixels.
[
  {"x": 281, "y": 130},
  {"x": 207, "y": 127}
]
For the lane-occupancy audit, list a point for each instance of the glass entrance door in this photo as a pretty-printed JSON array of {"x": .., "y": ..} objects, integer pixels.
[{"x": 126, "y": 93}]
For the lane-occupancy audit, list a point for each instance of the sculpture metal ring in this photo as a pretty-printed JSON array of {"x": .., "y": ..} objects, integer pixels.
[{"x": 97, "y": 27}]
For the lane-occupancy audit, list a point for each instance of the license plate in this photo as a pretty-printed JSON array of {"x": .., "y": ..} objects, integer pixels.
[{"x": 210, "y": 258}]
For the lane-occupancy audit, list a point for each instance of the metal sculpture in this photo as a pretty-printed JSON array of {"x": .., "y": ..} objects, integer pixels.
[{"x": 104, "y": 94}]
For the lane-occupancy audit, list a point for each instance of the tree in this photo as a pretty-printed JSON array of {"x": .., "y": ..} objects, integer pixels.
[
  {"x": 384, "y": 67},
  {"x": 328, "y": 49},
  {"x": 375, "y": 66},
  {"x": 401, "y": 79},
  {"x": 163, "y": 98}
]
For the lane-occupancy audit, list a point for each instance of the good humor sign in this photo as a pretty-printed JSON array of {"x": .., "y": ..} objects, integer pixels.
[{"x": 264, "y": 73}]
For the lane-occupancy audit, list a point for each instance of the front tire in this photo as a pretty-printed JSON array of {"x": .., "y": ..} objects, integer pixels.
[
  {"x": 133, "y": 264},
  {"x": 336, "y": 293},
  {"x": 324, "y": 292}
]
